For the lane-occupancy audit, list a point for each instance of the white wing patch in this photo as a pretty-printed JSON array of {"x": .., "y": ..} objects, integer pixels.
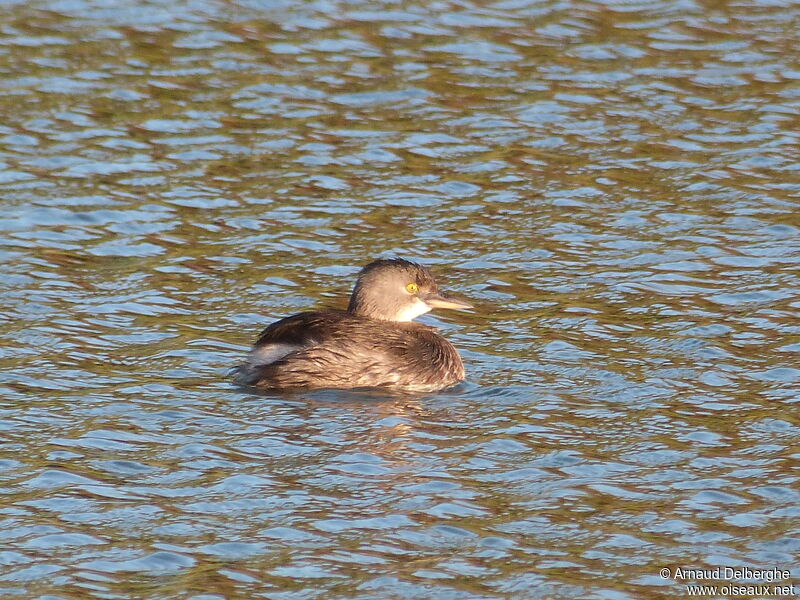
[
  {"x": 248, "y": 373},
  {"x": 264, "y": 355}
]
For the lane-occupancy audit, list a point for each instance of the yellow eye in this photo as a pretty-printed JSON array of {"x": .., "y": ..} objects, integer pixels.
[{"x": 412, "y": 288}]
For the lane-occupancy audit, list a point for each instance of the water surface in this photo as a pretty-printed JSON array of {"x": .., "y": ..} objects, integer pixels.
[{"x": 615, "y": 187}]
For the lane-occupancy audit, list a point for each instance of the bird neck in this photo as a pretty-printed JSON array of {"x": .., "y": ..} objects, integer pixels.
[{"x": 385, "y": 309}]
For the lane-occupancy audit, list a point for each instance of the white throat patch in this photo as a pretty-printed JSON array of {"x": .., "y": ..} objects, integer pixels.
[{"x": 413, "y": 311}]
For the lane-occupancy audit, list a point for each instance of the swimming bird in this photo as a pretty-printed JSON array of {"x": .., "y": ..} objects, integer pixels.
[{"x": 374, "y": 343}]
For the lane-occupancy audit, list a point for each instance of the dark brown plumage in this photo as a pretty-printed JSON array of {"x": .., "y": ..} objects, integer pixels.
[{"x": 372, "y": 344}]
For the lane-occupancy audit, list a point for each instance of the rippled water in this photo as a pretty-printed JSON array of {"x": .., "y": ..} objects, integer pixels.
[{"x": 614, "y": 185}]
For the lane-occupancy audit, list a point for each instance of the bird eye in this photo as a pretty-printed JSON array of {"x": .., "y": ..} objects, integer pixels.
[{"x": 412, "y": 288}]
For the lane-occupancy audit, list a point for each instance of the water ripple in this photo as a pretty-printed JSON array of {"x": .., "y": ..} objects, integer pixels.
[{"x": 615, "y": 190}]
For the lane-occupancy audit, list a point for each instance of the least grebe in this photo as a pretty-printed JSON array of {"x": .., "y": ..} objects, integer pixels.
[{"x": 374, "y": 343}]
